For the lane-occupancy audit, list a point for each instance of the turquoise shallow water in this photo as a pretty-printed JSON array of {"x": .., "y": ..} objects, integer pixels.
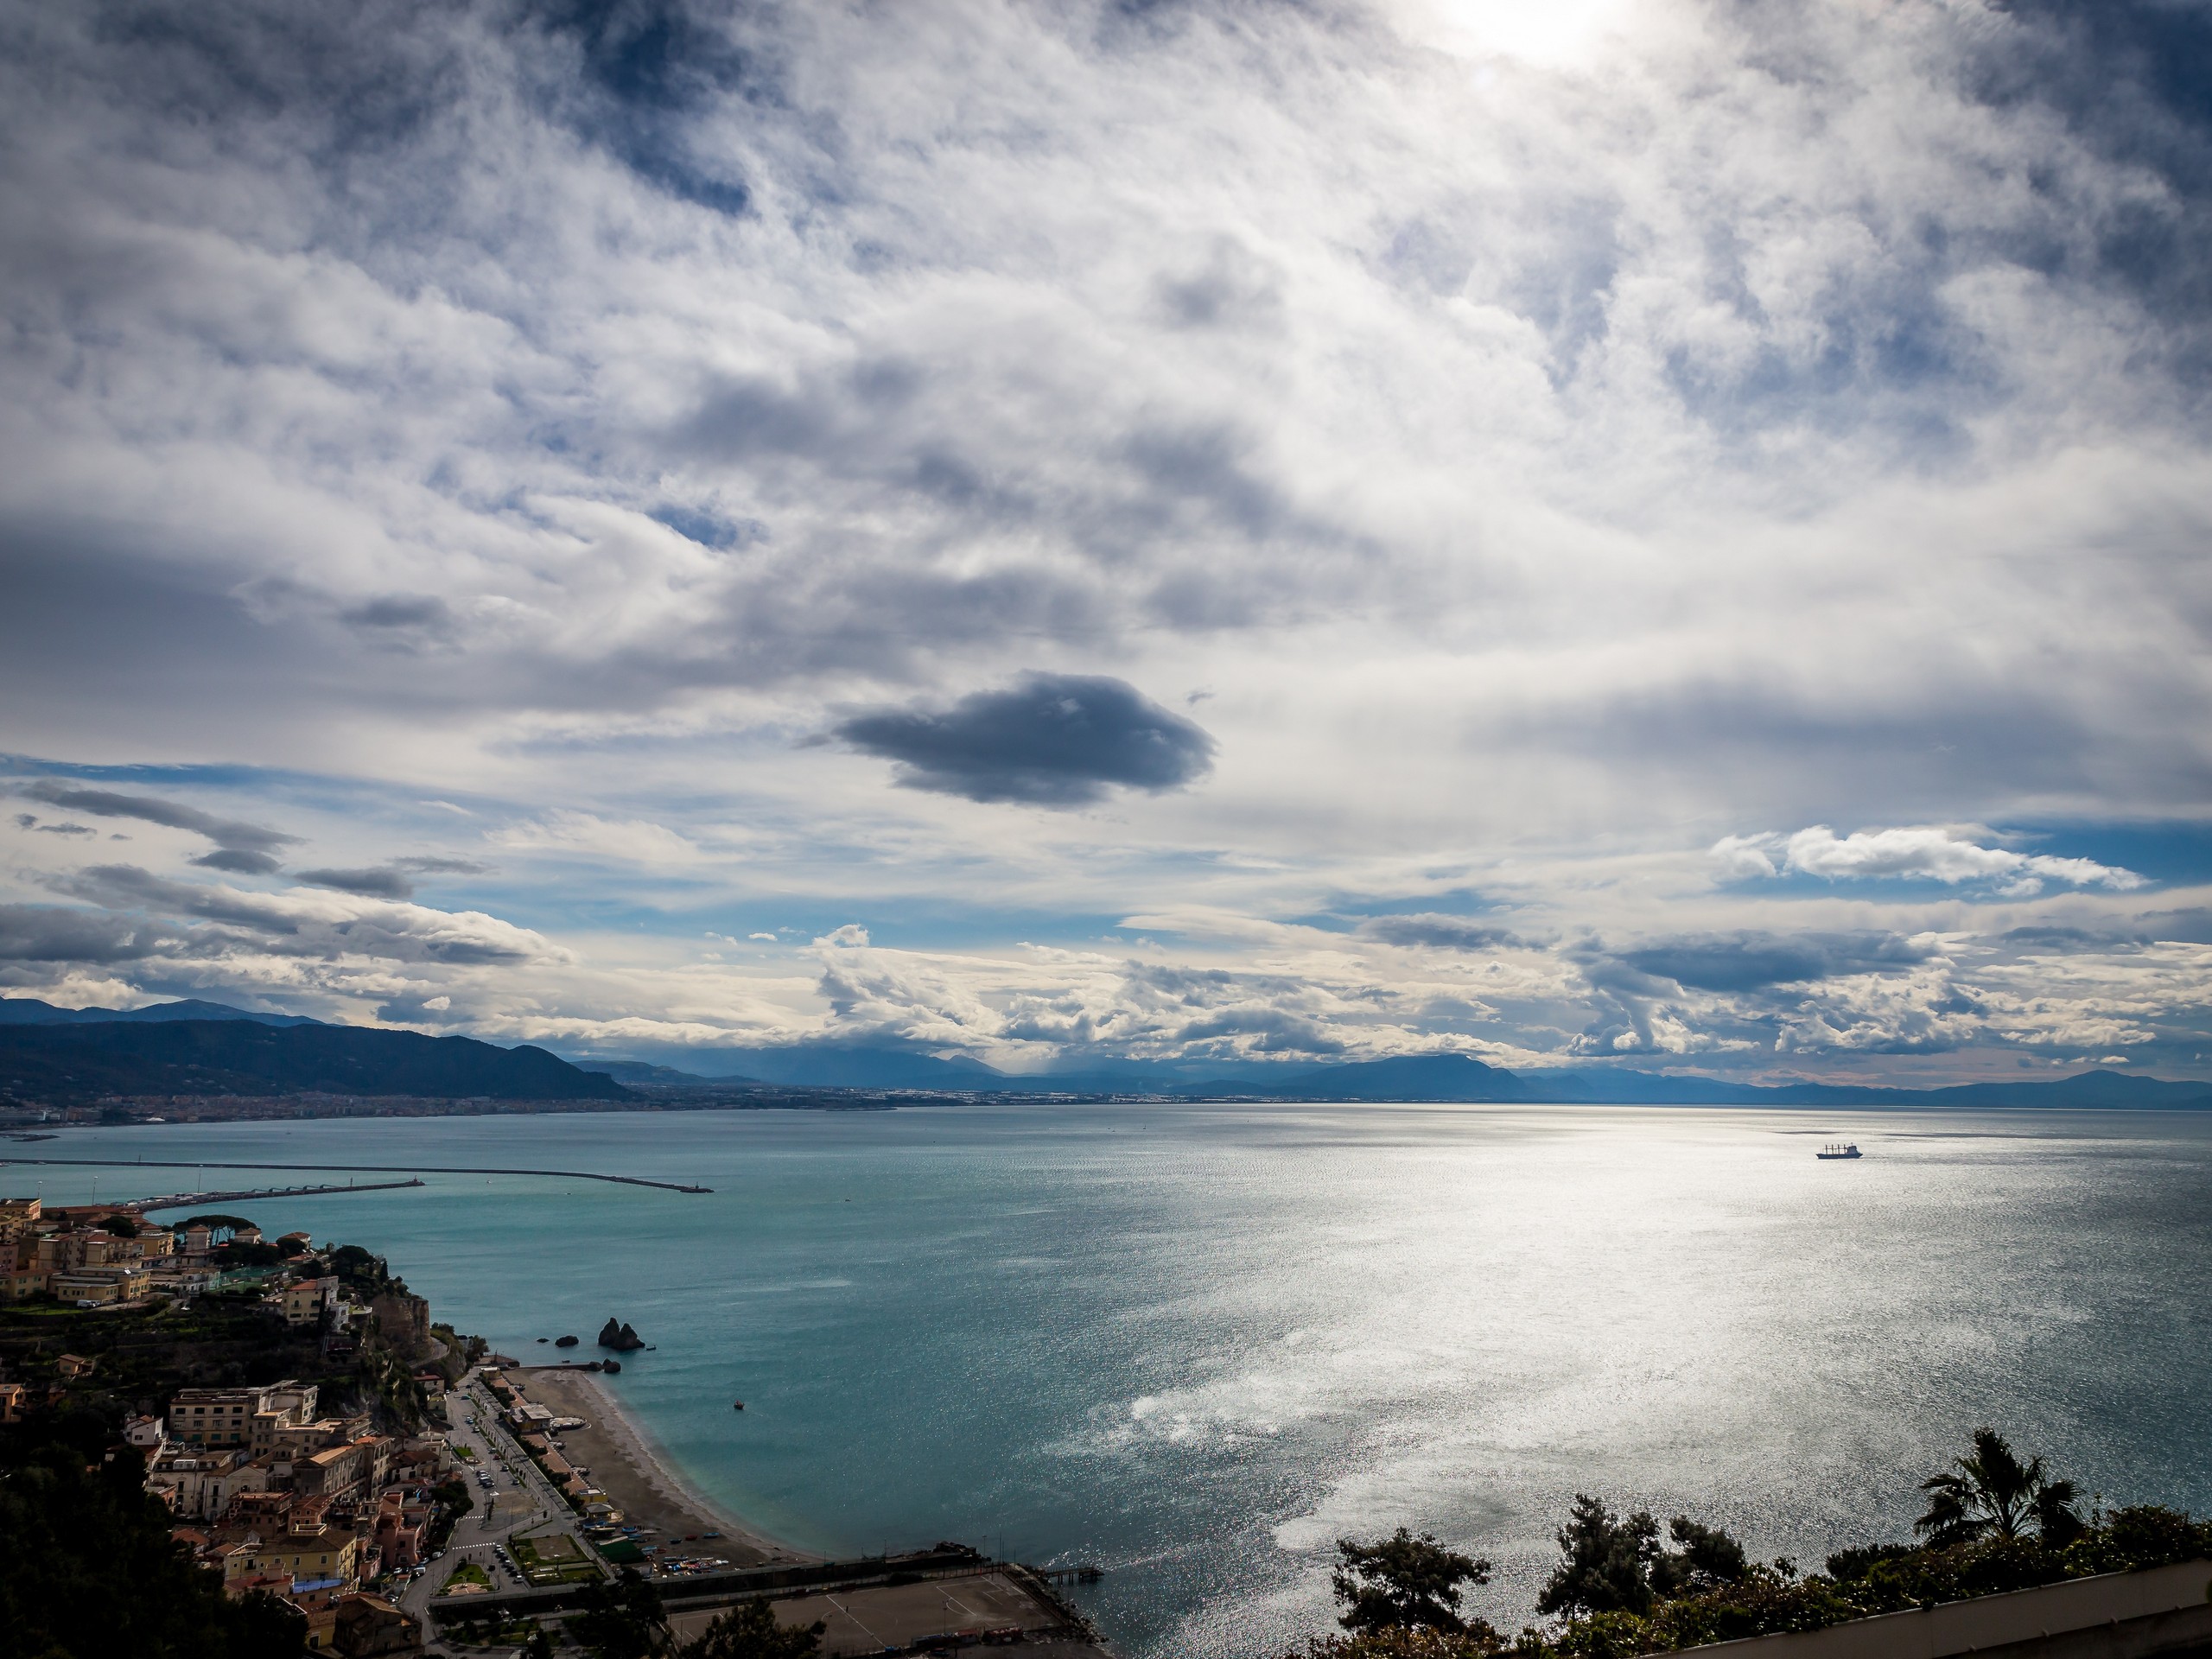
[{"x": 1195, "y": 1345}]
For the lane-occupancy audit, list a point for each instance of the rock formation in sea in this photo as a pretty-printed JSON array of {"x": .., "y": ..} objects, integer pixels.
[
  {"x": 620, "y": 1337},
  {"x": 564, "y": 1342}
]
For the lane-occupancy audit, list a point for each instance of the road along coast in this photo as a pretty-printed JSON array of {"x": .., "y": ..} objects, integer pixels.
[
  {"x": 918, "y": 1603},
  {"x": 640, "y": 1479}
]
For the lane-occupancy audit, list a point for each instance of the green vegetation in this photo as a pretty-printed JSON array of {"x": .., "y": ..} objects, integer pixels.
[
  {"x": 554, "y": 1559},
  {"x": 1995, "y": 1523},
  {"x": 504, "y": 1633},
  {"x": 146, "y": 1354},
  {"x": 1994, "y": 1495},
  {"x": 624, "y": 1620},
  {"x": 90, "y": 1569},
  {"x": 466, "y": 1574},
  {"x": 1403, "y": 1581},
  {"x": 1613, "y": 1565},
  {"x": 749, "y": 1630},
  {"x": 87, "y": 1564}
]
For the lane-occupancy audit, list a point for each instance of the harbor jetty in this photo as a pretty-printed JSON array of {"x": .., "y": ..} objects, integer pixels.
[
  {"x": 365, "y": 1169},
  {"x": 248, "y": 1195}
]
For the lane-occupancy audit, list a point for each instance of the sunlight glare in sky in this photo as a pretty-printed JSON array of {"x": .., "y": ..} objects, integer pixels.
[{"x": 1559, "y": 34}]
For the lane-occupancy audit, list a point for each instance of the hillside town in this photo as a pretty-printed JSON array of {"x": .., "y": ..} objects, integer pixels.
[
  {"x": 329, "y": 1488},
  {"x": 217, "y": 1443}
]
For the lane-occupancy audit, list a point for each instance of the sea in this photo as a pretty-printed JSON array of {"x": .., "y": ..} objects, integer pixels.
[{"x": 1197, "y": 1344}]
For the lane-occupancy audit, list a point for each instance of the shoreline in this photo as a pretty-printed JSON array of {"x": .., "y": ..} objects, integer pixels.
[{"x": 653, "y": 1484}]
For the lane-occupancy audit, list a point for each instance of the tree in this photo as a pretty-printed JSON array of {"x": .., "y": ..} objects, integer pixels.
[
  {"x": 89, "y": 1569},
  {"x": 749, "y": 1630},
  {"x": 1707, "y": 1558},
  {"x": 1609, "y": 1564},
  {"x": 1605, "y": 1564},
  {"x": 1403, "y": 1581},
  {"x": 623, "y": 1622},
  {"x": 1993, "y": 1494}
]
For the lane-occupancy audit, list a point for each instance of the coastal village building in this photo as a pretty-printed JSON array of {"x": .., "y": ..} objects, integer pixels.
[
  {"x": 121, "y": 1282},
  {"x": 17, "y": 1283},
  {"x": 369, "y": 1626},
  {"x": 201, "y": 1483},
  {"x": 334, "y": 1471},
  {"x": 306, "y": 1301},
  {"x": 68, "y": 1254},
  {"x": 226, "y": 1416},
  {"x": 317, "y": 1556},
  {"x": 267, "y": 1491}
]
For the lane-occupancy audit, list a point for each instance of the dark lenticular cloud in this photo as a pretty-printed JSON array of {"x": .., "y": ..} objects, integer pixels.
[
  {"x": 236, "y": 861},
  {"x": 393, "y": 881},
  {"x": 246, "y": 848},
  {"x": 1443, "y": 933},
  {"x": 48, "y": 933},
  {"x": 1050, "y": 740},
  {"x": 1750, "y": 962}
]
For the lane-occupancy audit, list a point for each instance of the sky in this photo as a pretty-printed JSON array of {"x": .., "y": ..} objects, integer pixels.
[{"x": 1664, "y": 534}]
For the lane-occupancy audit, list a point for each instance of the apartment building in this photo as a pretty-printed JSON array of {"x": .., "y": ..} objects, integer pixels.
[
  {"x": 19, "y": 1218},
  {"x": 225, "y": 1416}
]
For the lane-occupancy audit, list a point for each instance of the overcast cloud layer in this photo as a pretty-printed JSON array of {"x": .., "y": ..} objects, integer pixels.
[{"x": 1669, "y": 533}]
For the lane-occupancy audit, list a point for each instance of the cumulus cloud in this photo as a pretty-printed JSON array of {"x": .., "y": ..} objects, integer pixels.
[
  {"x": 329, "y": 925},
  {"x": 1927, "y": 853},
  {"x": 1048, "y": 739},
  {"x": 1697, "y": 422}
]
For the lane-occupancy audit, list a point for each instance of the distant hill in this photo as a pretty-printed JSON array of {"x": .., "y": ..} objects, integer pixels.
[
  {"x": 1406, "y": 1076},
  {"x": 1460, "y": 1078},
  {"x": 664, "y": 1077},
  {"x": 1437, "y": 1077},
  {"x": 76, "y": 1061},
  {"x": 29, "y": 1011},
  {"x": 828, "y": 1065}
]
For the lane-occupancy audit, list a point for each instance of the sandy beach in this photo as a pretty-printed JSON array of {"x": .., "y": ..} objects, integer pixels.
[{"x": 640, "y": 1479}]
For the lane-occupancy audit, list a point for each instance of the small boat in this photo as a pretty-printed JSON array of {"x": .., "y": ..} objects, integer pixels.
[
  {"x": 738, "y": 1406},
  {"x": 1839, "y": 1149}
]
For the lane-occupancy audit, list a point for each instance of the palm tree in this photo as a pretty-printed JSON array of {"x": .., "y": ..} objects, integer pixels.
[{"x": 1994, "y": 1495}]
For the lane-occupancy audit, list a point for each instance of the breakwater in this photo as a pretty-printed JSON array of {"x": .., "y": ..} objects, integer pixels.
[
  {"x": 252, "y": 1195},
  {"x": 366, "y": 1169}
]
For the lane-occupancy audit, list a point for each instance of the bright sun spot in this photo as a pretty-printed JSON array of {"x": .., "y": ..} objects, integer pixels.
[{"x": 1553, "y": 33}]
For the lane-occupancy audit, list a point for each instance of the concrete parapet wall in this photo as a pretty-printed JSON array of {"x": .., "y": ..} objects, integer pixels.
[
  {"x": 743, "y": 1581},
  {"x": 2165, "y": 1610}
]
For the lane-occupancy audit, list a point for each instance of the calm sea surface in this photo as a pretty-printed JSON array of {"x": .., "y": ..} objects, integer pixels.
[{"x": 1195, "y": 1345}]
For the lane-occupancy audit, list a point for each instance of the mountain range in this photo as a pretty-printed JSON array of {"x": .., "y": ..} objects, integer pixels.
[
  {"x": 54, "y": 1063},
  {"x": 1427, "y": 1078},
  {"x": 200, "y": 1047}
]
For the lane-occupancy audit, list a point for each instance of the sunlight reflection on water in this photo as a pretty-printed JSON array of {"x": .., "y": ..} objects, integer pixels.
[{"x": 1199, "y": 1343}]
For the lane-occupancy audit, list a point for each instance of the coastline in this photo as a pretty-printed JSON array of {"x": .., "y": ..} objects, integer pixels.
[{"x": 640, "y": 1478}]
